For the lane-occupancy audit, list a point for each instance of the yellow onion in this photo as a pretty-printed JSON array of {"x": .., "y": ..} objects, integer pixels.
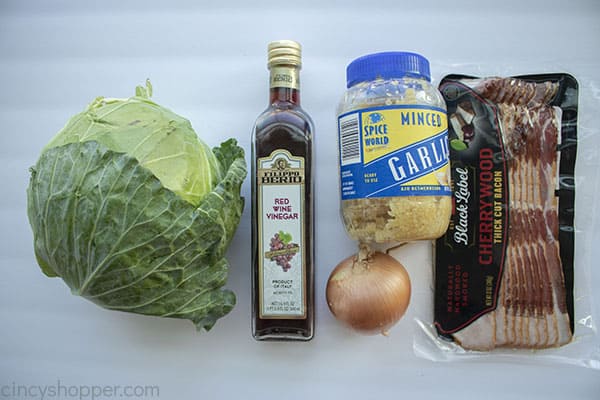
[{"x": 369, "y": 291}]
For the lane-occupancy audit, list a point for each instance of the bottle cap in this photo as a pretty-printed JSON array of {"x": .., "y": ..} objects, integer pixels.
[
  {"x": 284, "y": 52},
  {"x": 387, "y": 65}
]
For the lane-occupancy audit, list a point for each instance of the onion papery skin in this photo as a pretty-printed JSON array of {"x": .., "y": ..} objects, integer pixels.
[{"x": 369, "y": 295}]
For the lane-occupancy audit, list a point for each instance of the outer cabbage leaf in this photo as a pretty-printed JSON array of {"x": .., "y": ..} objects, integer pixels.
[
  {"x": 107, "y": 226},
  {"x": 161, "y": 140}
]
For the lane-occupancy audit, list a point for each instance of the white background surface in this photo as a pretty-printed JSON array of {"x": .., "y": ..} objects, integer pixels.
[{"x": 207, "y": 61}]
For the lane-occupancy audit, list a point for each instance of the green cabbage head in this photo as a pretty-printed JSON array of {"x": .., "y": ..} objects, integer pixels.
[{"x": 135, "y": 213}]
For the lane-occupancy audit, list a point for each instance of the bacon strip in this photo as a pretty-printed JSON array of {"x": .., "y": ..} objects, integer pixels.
[{"x": 531, "y": 310}]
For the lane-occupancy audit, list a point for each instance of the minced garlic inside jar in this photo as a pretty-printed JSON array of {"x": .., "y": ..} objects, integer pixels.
[{"x": 393, "y": 147}]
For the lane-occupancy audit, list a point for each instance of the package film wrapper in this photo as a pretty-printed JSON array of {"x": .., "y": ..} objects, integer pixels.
[{"x": 510, "y": 278}]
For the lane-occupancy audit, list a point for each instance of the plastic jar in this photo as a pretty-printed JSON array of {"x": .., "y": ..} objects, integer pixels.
[{"x": 393, "y": 150}]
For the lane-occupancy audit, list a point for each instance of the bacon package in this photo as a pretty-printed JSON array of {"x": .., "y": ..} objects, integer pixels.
[{"x": 504, "y": 269}]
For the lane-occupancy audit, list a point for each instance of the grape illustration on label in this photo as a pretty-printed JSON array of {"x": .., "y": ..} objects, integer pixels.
[{"x": 282, "y": 250}]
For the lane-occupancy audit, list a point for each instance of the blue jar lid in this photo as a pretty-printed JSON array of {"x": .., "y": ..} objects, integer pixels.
[{"x": 387, "y": 65}]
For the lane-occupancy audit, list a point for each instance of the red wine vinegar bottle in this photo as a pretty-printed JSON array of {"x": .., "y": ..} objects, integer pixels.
[{"x": 282, "y": 206}]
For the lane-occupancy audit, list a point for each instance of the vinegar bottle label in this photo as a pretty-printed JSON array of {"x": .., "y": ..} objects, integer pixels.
[{"x": 281, "y": 258}]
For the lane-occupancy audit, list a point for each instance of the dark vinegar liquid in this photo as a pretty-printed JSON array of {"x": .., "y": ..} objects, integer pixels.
[{"x": 284, "y": 125}]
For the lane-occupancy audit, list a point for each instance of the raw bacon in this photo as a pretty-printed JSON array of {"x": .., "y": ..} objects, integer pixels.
[{"x": 531, "y": 310}]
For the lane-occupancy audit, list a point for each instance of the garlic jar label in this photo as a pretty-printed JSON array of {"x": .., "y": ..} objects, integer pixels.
[
  {"x": 398, "y": 150},
  {"x": 280, "y": 181}
]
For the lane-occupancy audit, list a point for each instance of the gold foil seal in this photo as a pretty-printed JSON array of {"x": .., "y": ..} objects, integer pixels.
[
  {"x": 284, "y": 52},
  {"x": 284, "y": 76}
]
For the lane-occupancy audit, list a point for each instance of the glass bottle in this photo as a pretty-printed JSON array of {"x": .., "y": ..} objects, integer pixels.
[{"x": 282, "y": 206}]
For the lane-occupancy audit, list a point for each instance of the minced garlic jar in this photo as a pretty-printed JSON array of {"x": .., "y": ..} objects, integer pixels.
[{"x": 393, "y": 151}]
